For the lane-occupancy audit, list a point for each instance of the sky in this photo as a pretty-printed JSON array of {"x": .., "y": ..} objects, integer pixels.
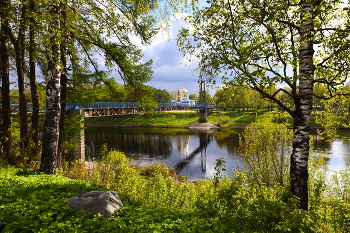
[{"x": 171, "y": 70}]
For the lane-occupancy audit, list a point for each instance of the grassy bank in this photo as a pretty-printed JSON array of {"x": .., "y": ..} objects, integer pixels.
[
  {"x": 166, "y": 119},
  {"x": 184, "y": 119},
  {"x": 154, "y": 201}
]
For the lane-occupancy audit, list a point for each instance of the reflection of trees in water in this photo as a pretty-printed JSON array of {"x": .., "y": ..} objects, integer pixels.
[
  {"x": 182, "y": 143},
  {"x": 346, "y": 144},
  {"x": 154, "y": 145},
  {"x": 227, "y": 139}
]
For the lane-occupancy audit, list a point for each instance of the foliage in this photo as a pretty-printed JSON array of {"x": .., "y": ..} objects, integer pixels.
[
  {"x": 89, "y": 89},
  {"x": 74, "y": 125},
  {"x": 221, "y": 105},
  {"x": 262, "y": 43},
  {"x": 161, "y": 96},
  {"x": 221, "y": 118},
  {"x": 204, "y": 97},
  {"x": 265, "y": 153},
  {"x": 220, "y": 169},
  {"x": 241, "y": 97},
  {"x": 334, "y": 113},
  {"x": 194, "y": 97},
  {"x": 22, "y": 159},
  {"x": 158, "y": 169}
]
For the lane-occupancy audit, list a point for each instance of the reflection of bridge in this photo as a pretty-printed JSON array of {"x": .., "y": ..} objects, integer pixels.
[
  {"x": 204, "y": 140},
  {"x": 123, "y": 108}
]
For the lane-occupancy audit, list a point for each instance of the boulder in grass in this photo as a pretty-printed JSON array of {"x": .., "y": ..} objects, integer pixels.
[{"x": 96, "y": 202}]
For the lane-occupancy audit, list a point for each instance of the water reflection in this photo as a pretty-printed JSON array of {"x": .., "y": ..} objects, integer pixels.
[
  {"x": 136, "y": 143},
  {"x": 204, "y": 140},
  {"x": 193, "y": 154},
  {"x": 337, "y": 150}
]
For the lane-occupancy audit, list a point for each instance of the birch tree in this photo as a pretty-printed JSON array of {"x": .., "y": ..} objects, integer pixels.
[
  {"x": 261, "y": 43},
  {"x": 50, "y": 157},
  {"x": 78, "y": 30}
]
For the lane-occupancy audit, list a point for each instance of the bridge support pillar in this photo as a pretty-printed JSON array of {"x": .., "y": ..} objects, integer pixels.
[
  {"x": 203, "y": 115},
  {"x": 78, "y": 137}
]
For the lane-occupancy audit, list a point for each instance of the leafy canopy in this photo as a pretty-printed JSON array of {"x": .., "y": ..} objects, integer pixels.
[{"x": 257, "y": 43}]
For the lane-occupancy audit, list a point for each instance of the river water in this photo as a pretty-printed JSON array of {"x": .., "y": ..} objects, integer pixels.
[{"x": 193, "y": 154}]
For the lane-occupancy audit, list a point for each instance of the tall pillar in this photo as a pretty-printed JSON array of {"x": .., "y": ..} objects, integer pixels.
[
  {"x": 77, "y": 153},
  {"x": 203, "y": 114}
]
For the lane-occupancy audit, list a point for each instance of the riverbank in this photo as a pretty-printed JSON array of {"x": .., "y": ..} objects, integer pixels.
[
  {"x": 155, "y": 202},
  {"x": 226, "y": 119}
]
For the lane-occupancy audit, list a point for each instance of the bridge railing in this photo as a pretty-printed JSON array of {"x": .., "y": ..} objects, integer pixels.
[
  {"x": 102, "y": 105},
  {"x": 126, "y": 105},
  {"x": 112, "y": 105}
]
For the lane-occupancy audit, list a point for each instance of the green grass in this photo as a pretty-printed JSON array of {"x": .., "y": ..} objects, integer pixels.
[
  {"x": 184, "y": 119},
  {"x": 34, "y": 202},
  {"x": 259, "y": 117},
  {"x": 169, "y": 119}
]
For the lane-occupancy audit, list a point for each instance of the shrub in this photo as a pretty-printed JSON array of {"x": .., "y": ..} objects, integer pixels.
[
  {"x": 222, "y": 105},
  {"x": 266, "y": 152},
  {"x": 158, "y": 169}
]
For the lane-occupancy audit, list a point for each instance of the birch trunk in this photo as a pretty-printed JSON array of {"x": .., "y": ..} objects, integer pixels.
[
  {"x": 50, "y": 156},
  {"x": 303, "y": 108}
]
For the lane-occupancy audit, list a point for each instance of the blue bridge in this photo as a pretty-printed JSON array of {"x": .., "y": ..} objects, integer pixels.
[{"x": 123, "y": 108}]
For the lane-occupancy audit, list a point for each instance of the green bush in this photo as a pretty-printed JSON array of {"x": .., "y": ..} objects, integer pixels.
[
  {"x": 158, "y": 169},
  {"x": 265, "y": 151},
  {"x": 222, "y": 105}
]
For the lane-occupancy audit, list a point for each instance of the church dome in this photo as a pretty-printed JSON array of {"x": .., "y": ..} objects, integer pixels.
[{"x": 183, "y": 90}]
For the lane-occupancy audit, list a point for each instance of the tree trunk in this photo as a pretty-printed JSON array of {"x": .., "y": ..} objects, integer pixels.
[
  {"x": 303, "y": 108},
  {"x": 33, "y": 89},
  {"x": 63, "y": 83},
  {"x": 63, "y": 100},
  {"x": 50, "y": 157},
  {"x": 5, "y": 78},
  {"x": 19, "y": 53}
]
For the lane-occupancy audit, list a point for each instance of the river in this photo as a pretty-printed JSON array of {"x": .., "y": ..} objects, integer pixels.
[{"x": 194, "y": 154}]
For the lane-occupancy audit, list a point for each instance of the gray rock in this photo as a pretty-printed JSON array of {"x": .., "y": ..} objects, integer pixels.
[
  {"x": 204, "y": 127},
  {"x": 103, "y": 202}
]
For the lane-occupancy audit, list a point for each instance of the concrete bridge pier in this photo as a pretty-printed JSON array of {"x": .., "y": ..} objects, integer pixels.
[
  {"x": 203, "y": 114},
  {"x": 78, "y": 137}
]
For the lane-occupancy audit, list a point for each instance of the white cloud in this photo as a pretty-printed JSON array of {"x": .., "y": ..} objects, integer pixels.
[{"x": 171, "y": 70}]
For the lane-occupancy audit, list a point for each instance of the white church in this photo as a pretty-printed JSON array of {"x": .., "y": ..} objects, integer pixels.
[{"x": 181, "y": 97}]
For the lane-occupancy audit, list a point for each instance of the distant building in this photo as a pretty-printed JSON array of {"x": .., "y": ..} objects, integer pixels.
[{"x": 181, "y": 97}]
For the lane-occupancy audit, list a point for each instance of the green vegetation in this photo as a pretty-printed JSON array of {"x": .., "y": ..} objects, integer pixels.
[
  {"x": 155, "y": 200},
  {"x": 166, "y": 119},
  {"x": 227, "y": 118},
  {"x": 261, "y": 44}
]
